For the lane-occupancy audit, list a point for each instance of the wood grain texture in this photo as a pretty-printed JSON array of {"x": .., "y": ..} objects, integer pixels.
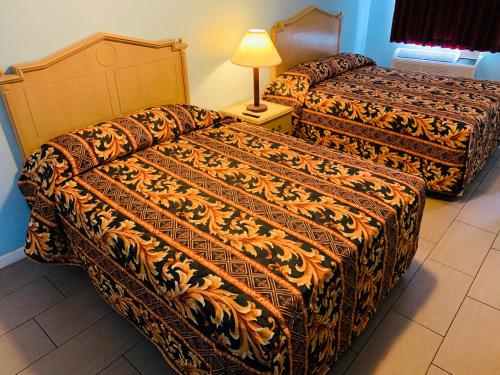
[
  {"x": 277, "y": 117},
  {"x": 101, "y": 77},
  {"x": 310, "y": 34}
]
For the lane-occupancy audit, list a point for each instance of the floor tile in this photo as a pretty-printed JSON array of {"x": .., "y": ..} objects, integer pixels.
[
  {"x": 496, "y": 244},
  {"x": 423, "y": 251},
  {"x": 438, "y": 216},
  {"x": 434, "y": 296},
  {"x": 20, "y": 274},
  {"x": 398, "y": 346},
  {"x": 375, "y": 320},
  {"x": 73, "y": 315},
  {"x": 27, "y": 302},
  {"x": 148, "y": 360},
  {"x": 491, "y": 184},
  {"x": 91, "y": 351},
  {"x": 472, "y": 345},
  {"x": 486, "y": 286},
  {"x": 434, "y": 370},
  {"x": 490, "y": 163},
  {"x": 482, "y": 211},
  {"x": 23, "y": 346},
  {"x": 341, "y": 366},
  {"x": 460, "y": 202},
  {"x": 120, "y": 367},
  {"x": 463, "y": 247},
  {"x": 69, "y": 279}
]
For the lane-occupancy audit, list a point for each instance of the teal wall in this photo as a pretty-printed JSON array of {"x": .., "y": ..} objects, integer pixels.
[
  {"x": 14, "y": 212},
  {"x": 490, "y": 67},
  {"x": 354, "y": 22},
  {"x": 380, "y": 49}
]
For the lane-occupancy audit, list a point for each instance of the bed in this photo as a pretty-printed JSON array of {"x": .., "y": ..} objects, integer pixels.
[
  {"x": 232, "y": 248},
  {"x": 440, "y": 128}
]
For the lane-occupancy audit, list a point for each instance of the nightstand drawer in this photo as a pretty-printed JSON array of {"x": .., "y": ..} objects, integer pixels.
[
  {"x": 281, "y": 124},
  {"x": 277, "y": 117}
]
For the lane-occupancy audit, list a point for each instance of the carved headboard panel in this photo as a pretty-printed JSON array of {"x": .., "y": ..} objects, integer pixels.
[
  {"x": 101, "y": 77},
  {"x": 310, "y": 34}
]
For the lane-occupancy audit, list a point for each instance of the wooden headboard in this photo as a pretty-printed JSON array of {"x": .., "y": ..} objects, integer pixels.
[
  {"x": 101, "y": 77},
  {"x": 310, "y": 34}
]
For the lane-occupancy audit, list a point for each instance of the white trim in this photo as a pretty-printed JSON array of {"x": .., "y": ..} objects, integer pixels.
[{"x": 12, "y": 257}]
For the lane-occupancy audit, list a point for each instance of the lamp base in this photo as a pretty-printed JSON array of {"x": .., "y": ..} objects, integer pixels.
[{"x": 259, "y": 108}]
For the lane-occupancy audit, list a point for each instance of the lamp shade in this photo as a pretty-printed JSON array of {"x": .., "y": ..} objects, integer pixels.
[{"x": 256, "y": 50}]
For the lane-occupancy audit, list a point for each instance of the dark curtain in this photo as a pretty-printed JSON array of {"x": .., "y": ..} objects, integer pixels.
[{"x": 464, "y": 24}]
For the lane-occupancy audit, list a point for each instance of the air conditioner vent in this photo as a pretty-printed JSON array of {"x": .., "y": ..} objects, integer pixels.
[
  {"x": 418, "y": 54},
  {"x": 450, "y": 63}
]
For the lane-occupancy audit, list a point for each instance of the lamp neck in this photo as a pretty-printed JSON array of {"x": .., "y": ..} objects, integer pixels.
[
  {"x": 257, "y": 106},
  {"x": 256, "y": 101}
]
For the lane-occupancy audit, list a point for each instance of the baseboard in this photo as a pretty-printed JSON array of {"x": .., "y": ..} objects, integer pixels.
[{"x": 11, "y": 257}]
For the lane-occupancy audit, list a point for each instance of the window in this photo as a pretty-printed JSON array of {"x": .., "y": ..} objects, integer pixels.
[{"x": 464, "y": 24}]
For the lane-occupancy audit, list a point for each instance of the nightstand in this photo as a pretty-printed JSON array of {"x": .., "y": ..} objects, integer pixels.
[{"x": 277, "y": 117}]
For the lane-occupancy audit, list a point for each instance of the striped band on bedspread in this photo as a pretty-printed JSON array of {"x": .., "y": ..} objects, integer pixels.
[
  {"x": 234, "y": 249},
  {"x": 437, "y": 127}
]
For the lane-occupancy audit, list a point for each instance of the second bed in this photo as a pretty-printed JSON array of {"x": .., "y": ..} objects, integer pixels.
[{"x": 440, "y": 128}]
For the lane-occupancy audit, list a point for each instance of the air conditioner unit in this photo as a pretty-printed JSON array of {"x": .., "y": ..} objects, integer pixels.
[{"x": 453, "y": 63}]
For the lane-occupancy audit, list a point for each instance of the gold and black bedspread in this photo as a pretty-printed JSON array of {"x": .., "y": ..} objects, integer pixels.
[
  {"x": 440, "y": 128},
  {"x": 232, "y": 248}
]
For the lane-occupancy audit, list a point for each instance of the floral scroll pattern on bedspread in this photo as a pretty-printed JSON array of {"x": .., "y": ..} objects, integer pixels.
[
  {"x": 232, "y": 248},
  {"x": 440, "y": 128}
]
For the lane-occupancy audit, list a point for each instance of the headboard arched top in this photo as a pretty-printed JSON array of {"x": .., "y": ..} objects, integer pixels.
[
  {"x": 310, "y": 34},
  {"x": 99, "y": 78}
]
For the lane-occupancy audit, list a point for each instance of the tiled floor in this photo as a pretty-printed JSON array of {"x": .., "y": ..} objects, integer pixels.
[{"x": 442, "y": 318}]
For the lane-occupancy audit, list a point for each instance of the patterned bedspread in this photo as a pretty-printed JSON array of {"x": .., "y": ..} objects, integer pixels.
[
  {"x": 232, "y": 248},
  {"x": 437, "y": 127}
]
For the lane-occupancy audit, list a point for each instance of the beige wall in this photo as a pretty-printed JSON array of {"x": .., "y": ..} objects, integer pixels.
[{"x": 30, "y": 29}]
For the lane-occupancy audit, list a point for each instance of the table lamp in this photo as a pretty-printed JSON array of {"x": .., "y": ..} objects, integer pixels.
[{"x": 256, "y": 50}]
